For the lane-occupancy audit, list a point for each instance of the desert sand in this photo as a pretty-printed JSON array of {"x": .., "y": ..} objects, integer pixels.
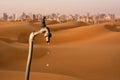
[{"x": 78, "y": 51}]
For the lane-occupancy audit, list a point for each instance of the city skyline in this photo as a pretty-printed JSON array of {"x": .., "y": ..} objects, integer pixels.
[{"x": 59, "y": 6}]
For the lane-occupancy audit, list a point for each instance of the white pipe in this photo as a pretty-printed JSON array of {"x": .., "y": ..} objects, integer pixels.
[{"x": 29, "y": 61}]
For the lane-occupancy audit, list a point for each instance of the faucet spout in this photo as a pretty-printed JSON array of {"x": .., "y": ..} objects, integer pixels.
[{"x": 47, "y": 34}]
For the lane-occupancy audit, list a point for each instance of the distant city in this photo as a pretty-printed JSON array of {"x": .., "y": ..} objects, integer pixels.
[{"x": 98, "y": 18}]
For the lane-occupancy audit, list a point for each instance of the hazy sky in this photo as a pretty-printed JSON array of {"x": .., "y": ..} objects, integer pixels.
[{"x": 60, "y": 6}]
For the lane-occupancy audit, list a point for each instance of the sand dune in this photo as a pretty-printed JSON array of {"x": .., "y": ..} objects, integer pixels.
[
  {"x": 55, "y": 26},
  {"x": 68, "y": 25},
  {"x": 22, "y": 31},
  {"x": 81, "y": 33},
  {"x": 34, "y": 76},
  {"x": 78, "y": 51}
]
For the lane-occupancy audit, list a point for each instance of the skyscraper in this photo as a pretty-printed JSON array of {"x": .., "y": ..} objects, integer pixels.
[{"x": 5, "y": 16}]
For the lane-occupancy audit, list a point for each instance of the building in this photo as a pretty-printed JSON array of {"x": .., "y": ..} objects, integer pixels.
[{"x": 5, "y": 16}]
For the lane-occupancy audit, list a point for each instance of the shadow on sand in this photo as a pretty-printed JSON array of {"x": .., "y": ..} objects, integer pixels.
[
  {"x": 115, "y": 28},
  {"x": 7, "y": 40}
]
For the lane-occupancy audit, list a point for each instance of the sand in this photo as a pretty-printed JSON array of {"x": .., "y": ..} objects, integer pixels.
[{"x": 78, "y": 51}]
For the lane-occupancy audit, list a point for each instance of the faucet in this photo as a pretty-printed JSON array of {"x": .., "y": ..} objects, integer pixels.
[
  {"x": 45, "y": 31},
  {"x": 47, "y": 34}
]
